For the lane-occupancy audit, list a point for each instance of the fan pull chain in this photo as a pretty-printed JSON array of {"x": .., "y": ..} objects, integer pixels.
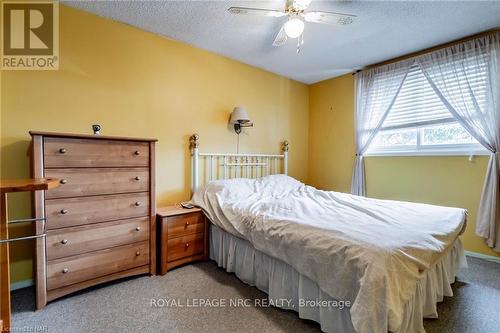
[{"x": 300, "y": 42}]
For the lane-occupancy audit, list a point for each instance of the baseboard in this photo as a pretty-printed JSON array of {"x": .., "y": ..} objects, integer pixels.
[
  {"x": 22, "y": 284},
  {"x": 482, "y": 256}
]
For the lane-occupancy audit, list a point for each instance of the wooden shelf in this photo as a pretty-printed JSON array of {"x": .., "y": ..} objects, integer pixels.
[
  {"x": 7, "y": 186},
  {"x": 23, "y": 185},
  {"x": 175, "y": 210},
  {"x": 90, "y": 136}
]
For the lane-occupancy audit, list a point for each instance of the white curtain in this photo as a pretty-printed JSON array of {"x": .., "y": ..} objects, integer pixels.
[
  {"x": 376, "y": 90},
  {"x": 465, "y": 77}
]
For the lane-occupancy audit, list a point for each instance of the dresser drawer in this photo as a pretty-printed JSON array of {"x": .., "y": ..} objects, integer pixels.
[
  {"x": 83, "y": 182},
  {"x": 70, "y": 212},
  {"x": 67, "y": 152},
  {"x": 77, "y": 240},
  {"x": 67, "y": 271},
  {"x": 182, "y": 225},
  {"x": 186, "y": 246}
]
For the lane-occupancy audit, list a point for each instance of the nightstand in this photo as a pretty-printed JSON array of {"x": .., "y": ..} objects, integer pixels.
[{"x": 182, "y": 237}]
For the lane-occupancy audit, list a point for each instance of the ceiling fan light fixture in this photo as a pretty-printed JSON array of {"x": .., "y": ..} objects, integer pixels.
[
  {"x": 294, "y": 27},
  {"x": 297, "y": 16}
]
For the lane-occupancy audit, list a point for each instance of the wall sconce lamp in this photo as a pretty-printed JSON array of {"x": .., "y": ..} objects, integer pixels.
[{"x": 239, "y": 118}]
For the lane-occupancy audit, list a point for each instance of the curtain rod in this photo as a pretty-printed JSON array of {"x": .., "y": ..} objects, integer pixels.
[{"x": 430, "y": 49}]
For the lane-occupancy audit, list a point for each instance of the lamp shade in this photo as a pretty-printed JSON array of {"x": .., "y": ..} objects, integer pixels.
[{"x": 239, "y": 116}]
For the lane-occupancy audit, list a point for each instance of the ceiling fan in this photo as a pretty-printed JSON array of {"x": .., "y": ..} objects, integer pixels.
[{"x": 294, "y": 26}]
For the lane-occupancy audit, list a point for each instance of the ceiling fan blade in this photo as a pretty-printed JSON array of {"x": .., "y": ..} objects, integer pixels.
[
  {"x": 256, "y": 11},
  {"x": 281, "y": 37},
  {"x": 329, "y": 18},
  {"x": 299, "y": 4}
]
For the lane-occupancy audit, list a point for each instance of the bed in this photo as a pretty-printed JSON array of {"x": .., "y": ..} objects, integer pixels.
[{"x": 350, "y": 263}]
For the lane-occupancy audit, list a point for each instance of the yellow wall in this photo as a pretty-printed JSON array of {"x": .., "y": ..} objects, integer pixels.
[
  {"x": 331, "y": 135},
  {"x": 136, "y": 83},
  {"x": 448, "y": 181}
]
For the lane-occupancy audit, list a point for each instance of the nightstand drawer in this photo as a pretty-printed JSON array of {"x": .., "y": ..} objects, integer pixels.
[
  {"x": 182, "y": 237},
  {"x": 183, "y": 225},
  {"x": 182, "y": 247}
]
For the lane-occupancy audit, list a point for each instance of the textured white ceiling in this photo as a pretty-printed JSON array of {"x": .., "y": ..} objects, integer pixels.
[{"x": 382, "y": 30}]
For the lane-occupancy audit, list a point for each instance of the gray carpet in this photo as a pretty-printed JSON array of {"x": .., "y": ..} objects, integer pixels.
[{"x": 126, "y": 306}]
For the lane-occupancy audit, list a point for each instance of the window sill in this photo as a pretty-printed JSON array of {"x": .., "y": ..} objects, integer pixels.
[{"x": 449, "y": 152}]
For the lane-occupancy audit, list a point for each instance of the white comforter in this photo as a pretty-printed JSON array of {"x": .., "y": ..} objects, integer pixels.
[{"x": 370, "y": 252}]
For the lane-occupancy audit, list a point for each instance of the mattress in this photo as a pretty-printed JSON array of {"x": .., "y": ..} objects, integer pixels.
[{"x": 372, "y": 253}]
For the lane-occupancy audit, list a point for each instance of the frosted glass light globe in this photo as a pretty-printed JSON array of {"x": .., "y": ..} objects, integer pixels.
[{"x": 294, "y": 27}]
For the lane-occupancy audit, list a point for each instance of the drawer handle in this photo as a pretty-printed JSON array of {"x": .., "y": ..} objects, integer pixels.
[
  {"x": 65, "y": 270},
  {"x": 137, "y": 228},
  {"x": 62, "y": 150},
  {"x": 137, "y": 178},
  {"x": 138, "y": 253},
  {"x": 137, "y": 152},
  {"x": 187, "y": 245},
  {"x": 187, "y": 224},
  {"x": 64, "y": 241},
  {"x": 64, "y": 211},
  {"x": 63, "y": 181},
  {"x": 137, "y": 203}
]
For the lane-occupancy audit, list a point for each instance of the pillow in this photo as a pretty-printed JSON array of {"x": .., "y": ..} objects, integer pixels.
[
  {"x": 241, "y": 188},
  {"x": 277, "y": 185}
]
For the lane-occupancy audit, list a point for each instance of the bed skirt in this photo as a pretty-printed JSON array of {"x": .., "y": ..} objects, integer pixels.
[{"x": 281, "y": 282}]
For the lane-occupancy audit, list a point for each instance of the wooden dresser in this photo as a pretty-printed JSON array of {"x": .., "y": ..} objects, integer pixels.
[
  {"x": 101, "y": 219},
  {"x": 182, "y": 237}
]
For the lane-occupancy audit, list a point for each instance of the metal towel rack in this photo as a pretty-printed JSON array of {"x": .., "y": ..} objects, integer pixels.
[{"x": 40, "y": 219}]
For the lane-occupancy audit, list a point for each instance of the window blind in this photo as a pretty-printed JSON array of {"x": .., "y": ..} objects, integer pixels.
[{"x": 418, "y": 105}]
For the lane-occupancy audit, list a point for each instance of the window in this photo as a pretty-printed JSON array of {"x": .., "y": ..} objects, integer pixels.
[{"x": 420, "y": 124}]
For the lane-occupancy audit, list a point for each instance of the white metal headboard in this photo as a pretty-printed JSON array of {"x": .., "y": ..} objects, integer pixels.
[{"x": 228, "y": 165}]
